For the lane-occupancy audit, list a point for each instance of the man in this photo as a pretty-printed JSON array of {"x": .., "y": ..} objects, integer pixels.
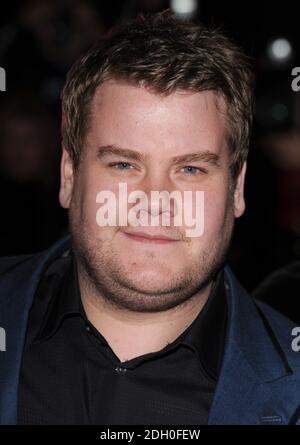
[{"x": 132, "y": 324}]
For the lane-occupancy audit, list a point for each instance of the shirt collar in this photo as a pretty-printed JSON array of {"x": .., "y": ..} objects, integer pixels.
[
  {"x": 59, "y": 284},
  {"x": 206, "y": 334}
]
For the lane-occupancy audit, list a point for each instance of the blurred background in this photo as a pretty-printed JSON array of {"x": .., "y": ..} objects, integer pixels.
[{"x": 40, "y": 39}]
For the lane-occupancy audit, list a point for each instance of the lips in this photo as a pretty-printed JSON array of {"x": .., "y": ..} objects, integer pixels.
[{"x": 150, "y": 236}]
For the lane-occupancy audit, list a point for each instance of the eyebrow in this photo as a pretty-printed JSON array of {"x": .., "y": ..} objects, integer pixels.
[{"x": 203, "y": 156}]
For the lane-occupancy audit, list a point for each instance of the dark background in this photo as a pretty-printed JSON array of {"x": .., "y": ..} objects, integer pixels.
[{"x": 39, "y": 40}]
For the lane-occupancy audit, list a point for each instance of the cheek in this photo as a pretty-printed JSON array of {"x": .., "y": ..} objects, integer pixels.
[
  {"x": 88, "y": 186},
  {"x": 216, "y": 208},
  {"x": 216, "y": 225}
]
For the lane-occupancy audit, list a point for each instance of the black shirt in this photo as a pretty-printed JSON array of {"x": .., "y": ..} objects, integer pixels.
[{"x": 70, "y": 375}]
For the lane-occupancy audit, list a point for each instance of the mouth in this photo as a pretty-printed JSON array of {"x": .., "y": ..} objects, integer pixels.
[{"x": 144, "y": 237}]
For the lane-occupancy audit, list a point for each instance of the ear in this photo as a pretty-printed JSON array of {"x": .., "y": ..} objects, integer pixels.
[
  {"x": 66, "y": 179},
  {"x": 239, "y": 200}
]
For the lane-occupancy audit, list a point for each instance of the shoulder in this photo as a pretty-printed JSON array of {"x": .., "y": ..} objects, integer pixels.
[
  {"x": 10, "y": 262},
  {"x": 27, "y": 267},
  {"x": 284, "y": 331},
  {"x": 268, "y": 326}
]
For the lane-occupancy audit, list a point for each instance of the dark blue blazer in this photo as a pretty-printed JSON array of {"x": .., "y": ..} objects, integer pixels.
[{"x": 259, "y": 381}]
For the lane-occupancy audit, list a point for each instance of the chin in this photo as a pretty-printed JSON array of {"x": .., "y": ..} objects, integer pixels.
[
  {"x": 148, "y": 269},
  {"x": 151, "y": 279},
  {"x": 146, "y": 272}
]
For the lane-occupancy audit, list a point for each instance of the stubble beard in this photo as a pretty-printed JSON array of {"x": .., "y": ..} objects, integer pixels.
[{"x": 103, "y": 276}]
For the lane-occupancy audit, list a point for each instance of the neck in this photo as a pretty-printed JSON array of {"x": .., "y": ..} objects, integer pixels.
[{"x": 131, "y": 334}]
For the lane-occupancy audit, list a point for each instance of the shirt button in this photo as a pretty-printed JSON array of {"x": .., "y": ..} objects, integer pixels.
[
  {"x": 87, "y": 328},
  {"x": 120, "y": 370}
]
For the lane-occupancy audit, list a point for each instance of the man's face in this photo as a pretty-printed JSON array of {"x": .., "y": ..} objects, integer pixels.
[{"x": 133, "y": 272}]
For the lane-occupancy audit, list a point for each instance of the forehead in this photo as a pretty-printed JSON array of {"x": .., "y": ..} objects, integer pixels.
[{"x": 143, "y": 120}]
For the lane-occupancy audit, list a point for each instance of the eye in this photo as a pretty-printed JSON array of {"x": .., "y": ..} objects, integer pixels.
[
  {"x": 192, "y": 170},
  {"x": 121, "y": 165}
]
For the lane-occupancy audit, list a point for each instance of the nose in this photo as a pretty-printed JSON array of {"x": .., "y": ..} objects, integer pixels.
[{"x": 159, "y": 189}]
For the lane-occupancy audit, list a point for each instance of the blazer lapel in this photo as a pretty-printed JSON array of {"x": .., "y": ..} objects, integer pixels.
[
  {"x": 249, "y": 390},
  {"x": 17, "y": 287}
]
